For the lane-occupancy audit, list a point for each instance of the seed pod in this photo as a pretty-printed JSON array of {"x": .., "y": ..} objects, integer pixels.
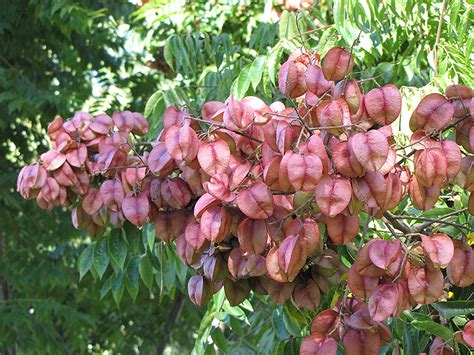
[
  {"x": 439, "y": 347},
  {"x": 308, "y": 234},
  {"x": 337, "y": 63},
  {"x": 431, "y": 167},
  {"x": 199, "y": 290},
  {"x": 458, "y": 91},
  {"x": 460, "y": 270},
  {"x": 53, "y": 159},
  {"x": 213, "y": 111},
  {"x": 439, "y": 248},
  {"x": 333, "y": 195},
  {"x": 237, "y": 114},
  {"x": 215, "y": 224},
  {"x": 136, "y": 208},
  {"x": 291, "y": 79},
  {"x": 159, "y": 160},
  {"x": 334, "y": 114},
  {"x": 304, "y": 171},
  {"x": 77, "y": 157},
  {"x": 316, "y": 344},
  {"x": 279, "y": 292},
  {"x": 361, "y": 286},
  {"x": 364, "y": 264},
  {"x": 80, "y": 219},
  {"x": 101, "y": 123},
  {"x": 252, "y": 234},
  {"x": 236, "y": 292},
  {"x": 112, "y": 194},
  {"x": 214, "y": 157},
  {"x": 432, "y": 113},
  {"x": 325, "y": 323},
  {"x": 169, "y": 225},
  {"x": 188, "y": 255},
  {"x": 345, "y": 161},
  {"x": 465, "y": 177},
  {"x": 425, "y": 285},
  {"x": 342, "y": 229},
  {"x": 468, "y": 334},
  {"x": 315, "y": 145},
  {"x": 383, "y": 104},
  {"x": 193, "y": 235},
  {"x": 463, "y": 134},
  {"x": 307, "y": 296},
  {"x": 383, "y": 302},
  {"x": 358, "y": 342},
  {"x": 291, "y": 257},
  {"x": 386, "y": 255},
  {"x": 316, "y": 82},
  {"x": 422, "y": 197},
  {"x": 140, "y": 124},
  {"x": 371, "y": 189},
  {"x": 92, "y": 201},
  {"x": 123, "y": 121},
  {"x": 219, "y": 187},
  {"x": 256, "y": 202},
  {"x": 175, "y": 193},
  {"x": 182, "y": 142},
  {"x": 370, "y": 149},
  {"x": 453, "y": 158}
]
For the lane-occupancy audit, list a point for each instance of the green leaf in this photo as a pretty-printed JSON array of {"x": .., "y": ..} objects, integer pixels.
[
  {"x": 288, "y": 28},
  {"x": 107, "y": 286},
  {"x": 168, "y": 53},
  {"x": 256, "y": 70},
  {"x": 117, "y": 250},
  {"x": 279, "y": 325},
  {"x": 219, "y": 339},
  {"x": 101, "y": 257},
  {"x": 433, "y": 328},
  {"x": 273, "y": 62},
  {"x": 151, "y": 103},
  {"x": 132, "y": 276},
  {"x": 241, "y": 84},
  {"x": 118, "y": 287},
  {"x": 450, "y": 309},
  {"x": 146, "y": 272},
  {"x": 85, "y": 260}
]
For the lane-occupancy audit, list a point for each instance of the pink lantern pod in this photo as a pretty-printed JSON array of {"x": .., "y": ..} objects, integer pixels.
[
  {"x": 333, "y": 195},
  {"x": 135, "y": 208},
  {"x": 256, "y": 202},
  {"x": 291, "y": 79},
  {"x": 432, "y": 113},
  {"x": 252, "y": 235},
  {"x": 215, "y": 224},
  {"x": 370, "y": 149},
  {"x": 316, "y": 82},
  {"x": 214, "y": 157},
  {"x": 342, "y": 229},
  {"x": 439, "y": 248},
  {"x": 383, "y": 104},
  {"x": 182, "y": 142},
  {"x": 307, "y": 296},
  {"x": 337, "y": 63}
]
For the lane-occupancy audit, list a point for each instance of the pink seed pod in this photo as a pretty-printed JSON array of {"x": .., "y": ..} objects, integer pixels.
[
  {"x": 199, "y": 290},
  {"x": 175, "y": 193},
  {"x": 423, "y": 198},
  {"x": 65, "y": 176},
  {"x": 304, "y": 171},
  {"x": 384, "y": 301},
  {"x": 160, "y": 161},
  {"x": 337, "y": 63},
  {"x": 359, "y": 342},
  {"x": 252, "y": 235},
  {"x": 213, "y": 111},
  {"x": 214, "y": 157},
  {"x": 291, "y": 79},
  {"x": 439, "y": 248},
  {"x": 215, "y": 224},
  {"x": 112, "y": 194},
  {"x": 307, "y": 296},
  {"x": 431, "y": 167},
  {"x": 425, "y": 285},
  {"x": 236, "y": 291},
  {"x": 316, "y": 82},
  {"x": 315, "y": 145},
  {"x": 350, "y": 91},
  {"x": 238, "y": 115},
  {"x": 279, "y": 292},
  {"x": 308, "y": 234},
  {"x": 460, "y": 270},
  {"x": 77, "y": 157},
  {"x": 136, "y": 208},
  {"x": 315, "y": 344},
  {"x": 334, "y": 114},
  {"x": 342, "y": 229},
  {"x": 219, "y": 186},
  {"x": 326, "y": 323},
  {"x": 364, "y": 264},
  {"x": 80, "y": 219},
  {"x": 123, "y": 121},
  {"x": 370, "y": 149},
  {"x": 101, "y": 123},
  {"x": 256, "y": 202},
  {"x": 182, "y": 143},
  {"x": 371, "y": 189},
  {"x": 291, "y": 257},
  {"x": 386, "y": 255},
  {"x": 383, "y": 104},
  {"x": 333, "y": 195},
  {"x": 432, "y": 113},
  {"x": 140, "y": 124},
  {"x": 169, "y": 225},
  {"x": 345, "y": 161},
  {"x": 458, "y": 92},
  {"x": 50, "y": 190},
  {"x": 193, "y": 235},
  {"x": 92, "y": 201},
  {"x": 53, "y": 159},
  {"x": 361, "y": 286}
]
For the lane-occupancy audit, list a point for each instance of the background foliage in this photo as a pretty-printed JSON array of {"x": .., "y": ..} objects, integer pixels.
[{"x": 60, "y": 56}]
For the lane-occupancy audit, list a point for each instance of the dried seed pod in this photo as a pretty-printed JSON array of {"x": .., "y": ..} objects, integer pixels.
[
  {"x": 291, "y": 79},
  {"x": 182, "y": 142},
  {"x": 431, "y": 167},
  {"x": 370, "y": 149},
  {"x": 460, "y": 270},
  {"x": 215, "y": 224},
  {"x": 236, "y": 291},
  {"x": 199, "y": 290},
  {"x": 252, "y": 234},
  {"x": 307, "y": 296},
  {"x": 136, "y": 208},
  {"x": 439, "y": 248},
  {"x": 337, "y": 63},
  {"x": 333, "y": 195},
  {"x": 316, "y": 82},
  {"x": 256, "y": 202},
  {"x": 432, "y": 113},
  {"x": 342, "y": 229},
  {"x": 383, "y": 104},
  {"x": 214, "y": 157},
  {"x": 425, "y": 285}
]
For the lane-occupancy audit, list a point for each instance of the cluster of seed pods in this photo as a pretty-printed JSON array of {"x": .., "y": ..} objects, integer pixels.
[{"x": 257, "y": 197}]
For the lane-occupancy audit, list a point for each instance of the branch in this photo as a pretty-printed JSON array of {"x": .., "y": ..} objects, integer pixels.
[
  {"x": 400, "y": 225},
  {"x": 422, "y": 226},
  {"x": 432, "y": 220}
]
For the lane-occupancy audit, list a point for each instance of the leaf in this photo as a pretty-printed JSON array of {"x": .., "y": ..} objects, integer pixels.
[
  {"x": 450, "y": 309},
  {"x": 151, "y": 103},
  {"x": 101, "y": 257},
  {"x": 107, "y": 286},
  {"x": 433, "y": 328},
  {"x": 279, "y": 325},
  {"x": 117, "y": 251},
  {"x": 256, "y": 70},
  {"x": 242, "y": 83},
  {"x": 85, "y": 260},
  {"x": 273, "y": 62},
  {"x": 118, "y": 287},
  {"x": 146, "y": 272},
  {"x": 287, "y": 25},
  {"x": 132, "y": 276},
  {"x": 219, "y": 339}
]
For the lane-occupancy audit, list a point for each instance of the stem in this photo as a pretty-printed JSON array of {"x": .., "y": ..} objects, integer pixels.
[{"x": 438, "y": 36}]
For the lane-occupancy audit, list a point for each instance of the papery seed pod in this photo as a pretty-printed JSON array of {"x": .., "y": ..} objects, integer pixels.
[
  {"x": 271, "y": 173},
  {"x": 370, "y": 149},
  {"x": 140, "y": 124},
  {"x": 193, "y": 235},
  {"x": 334, "y": 114},
  {"x": 337, "y": 63},
  {"x": 364, "y": 264},
  {"x": 460, "y": 270},
  {"x": 55, "y": 127},
  {"x": 256, "y": 202},
  {"x": 431, "y": 167},
  {"x": 439, "y": 347},
  {"x": 188, "y": 255},
  {"x": 214, "y": 157},
  {"x": 423, "y": 198},
  {"x": 260, "y": 109},
  {"x": 361, "y": 286},
  {"x": 199, "y": 290},
  {"x": 468, "y": 333},
  {"x": 291, "y": 257},
  {"x": 453, "y": 158},
  {"x": 470, "y": 204},
  {"x": 237, "y": 114},
  {"x": 182, "y": 142},
  {"x": 123, "y": 120},
  {"x": 327, "y": 263},
  {"x": 291, "y": 79},
  {"x": 439, "y": 248},
  {"x": 101, "y": 218},
  {"x": 315, "y": 344},
  {"x": 432, "y": 113},
  {"x": 112, "y": 194},
  {"x": 333, "y": 195},
  {"x": 386, "y": 255},
  {"x": 463, "y": 135},
  {"x": 236, "y": 292},
  {"x": 175, "y": 193},
  {"x": 315, "y": 145},
  {"x": 219, "y": 187},
  {"x": 350, "y": 91},
  {"x": 92, "y": 201},
  {"x": 159, "y": 160},
  {"x": 256, "y": 265},
  {"x": 357, "y": 342},
  {"x": 237, "y": 264},
  {"x": 316, "y": 82},
  {"x": 371, "y": 189},
  {"x": 326, "y": 323},
  {"x": 214, "y": 267},
  {"x": 77, "y": 157},
  {"x": 383, "y": 104},
  {"x": 273, "y": 267},
  {"x": 136, "y": 208},
  {"x": 215, "y": 224},
  {"x": 53, "y": 159},
  {"x": 465, "y": 177},
  {"x": 205, "y": 201},
  {"x": 383, "y": 301},
  {"x": 308, "y": 234},
  {"x": 280, "y": 293},
  {"x": 252, "y": 234},
  {"x": 345, "y": 161},
  {"x": 458, "y": 91},
  {"x": 304, "y": 171},
  {"x": 169, "y": 225},
  {"x": 65, "y": 176},
  {"x": 80, "y": 219},
  {"x": 50, "y": 190},
  {"x": 173, "y": 116},
  {"x": 213, "y": 111},
  {"x": 307, "y": 296},
  {"x": 342, "y": 229},
  {"x": 101, "y": 123},
  {"x": 116, "y": 219},
  {"x": 425, "y": 285}
]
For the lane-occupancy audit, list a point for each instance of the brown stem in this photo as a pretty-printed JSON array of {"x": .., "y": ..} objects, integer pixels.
[
  {"x": 400, "y": 225},
  {"x": 432, "y": 220}
]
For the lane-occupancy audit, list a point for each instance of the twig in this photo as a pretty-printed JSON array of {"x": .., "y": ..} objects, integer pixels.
[
  {"x": 438, "y": 36},
  {"x": 400, "y": 225},
  {"x": 432, "y": 220},
  {"x": 422, "y": 226}
]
